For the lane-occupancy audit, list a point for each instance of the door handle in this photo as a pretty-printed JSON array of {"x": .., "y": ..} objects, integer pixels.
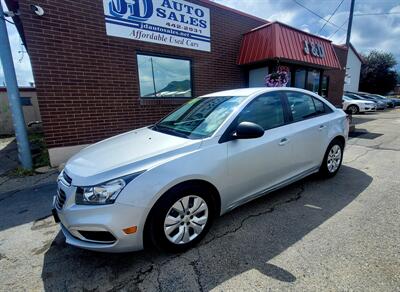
[
  {"x": 321, "y": 127},
  {"x": 283, "y": 141}
]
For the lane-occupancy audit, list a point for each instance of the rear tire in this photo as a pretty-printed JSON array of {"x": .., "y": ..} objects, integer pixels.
[
  {"x": 181, "y": 218},
  {"x": 333, "y": 159}
]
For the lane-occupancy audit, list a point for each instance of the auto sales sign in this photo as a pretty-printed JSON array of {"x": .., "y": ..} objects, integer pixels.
[{"x": 170, "y": 22}]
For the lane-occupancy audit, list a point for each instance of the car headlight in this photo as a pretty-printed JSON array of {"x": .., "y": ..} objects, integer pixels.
[{"x": 105, "y": 193}]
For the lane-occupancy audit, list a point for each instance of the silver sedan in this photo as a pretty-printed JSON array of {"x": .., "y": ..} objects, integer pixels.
[{"x": 163, "y": 185}]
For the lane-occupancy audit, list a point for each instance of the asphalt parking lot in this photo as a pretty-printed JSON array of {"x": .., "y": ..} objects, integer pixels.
[{"x": 338, "y": 234}]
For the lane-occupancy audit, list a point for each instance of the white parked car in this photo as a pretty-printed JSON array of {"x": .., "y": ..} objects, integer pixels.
[
  {"x": 164, "y": 184},
  {"x": 358, "y": 105}
]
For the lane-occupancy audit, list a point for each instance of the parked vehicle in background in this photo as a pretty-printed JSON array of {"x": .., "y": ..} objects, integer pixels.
[
  {"x": 391, "y": 101},
  {"x": 164, "y": 184},
  {"x": 369, "y": 96},
  {"x": 380, "y": 105},
  {"x": 356, "y": 106},
  {"x": 396, "y": 101}
]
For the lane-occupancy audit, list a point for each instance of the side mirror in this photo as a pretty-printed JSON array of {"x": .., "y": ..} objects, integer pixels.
[{"x": 248, "y": 130}]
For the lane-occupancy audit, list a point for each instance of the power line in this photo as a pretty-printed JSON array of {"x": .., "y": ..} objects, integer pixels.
[
  {"x": 338, "y": 29},
  {"x": 333, "y": 13},
  {"x": 316, "y": 14}
]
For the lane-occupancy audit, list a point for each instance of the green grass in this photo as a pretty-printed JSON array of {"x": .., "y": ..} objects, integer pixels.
[
  {"x": 21, "y": 172},
  {"x": 40, "y": 156}
]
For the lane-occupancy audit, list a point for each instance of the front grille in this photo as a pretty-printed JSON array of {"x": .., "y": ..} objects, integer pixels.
[
  {"x": 67, "y": 178},
  {"x": 98, "y": 236},
  {"x": 60, "y": 199}
]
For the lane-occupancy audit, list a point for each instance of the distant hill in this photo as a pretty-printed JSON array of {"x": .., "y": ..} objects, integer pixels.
[{"x": 176, "y": 86}]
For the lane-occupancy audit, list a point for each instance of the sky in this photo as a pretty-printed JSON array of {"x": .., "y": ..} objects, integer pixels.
[{"x": 381, "y": 32}]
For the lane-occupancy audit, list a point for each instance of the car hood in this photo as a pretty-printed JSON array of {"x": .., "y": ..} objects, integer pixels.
[{"x": 125, "y": 154}]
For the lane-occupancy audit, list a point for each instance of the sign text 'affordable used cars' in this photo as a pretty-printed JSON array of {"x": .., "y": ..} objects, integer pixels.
[{"x": 170, "y": 22}]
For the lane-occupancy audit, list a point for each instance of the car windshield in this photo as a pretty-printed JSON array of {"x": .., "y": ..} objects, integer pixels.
[
  {"x": 378, "y": 96},
  {"x": 355, "y": 96},
  {"x": 200, "y": 117}
]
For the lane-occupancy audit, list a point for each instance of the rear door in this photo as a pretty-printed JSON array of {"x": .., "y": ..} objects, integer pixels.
[{"x": 310, "y": 123}]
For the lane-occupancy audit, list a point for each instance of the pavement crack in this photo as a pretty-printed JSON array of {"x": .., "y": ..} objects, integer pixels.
[
  {"x": 196, "y": 270},
  {"x": 9, "y": 195},
  {"x": 359, "y": 156},
  {"x": 269, "y": 210},
  {"x": 44, "y": 177},
  {"x": 137, "y": 279},
  {"x": 5, "y": 180}
]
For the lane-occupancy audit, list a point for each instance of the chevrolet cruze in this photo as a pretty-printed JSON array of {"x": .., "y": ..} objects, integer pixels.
[{"x": 163, "y": 185}]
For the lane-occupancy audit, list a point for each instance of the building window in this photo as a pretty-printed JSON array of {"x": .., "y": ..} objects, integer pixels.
[
  {"x": 313, "y": 81},
  {"x": 257, "y": 77},
  {"x": 324, "y": 86},
  {"x": 162, "y": 77},
  {"x": 300, "y": 78}
]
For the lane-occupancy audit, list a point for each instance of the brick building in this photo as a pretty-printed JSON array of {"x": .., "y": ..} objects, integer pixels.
[{"x": 105, "y": 67}]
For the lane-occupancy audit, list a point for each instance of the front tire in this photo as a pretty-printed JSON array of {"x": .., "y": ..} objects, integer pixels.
[
  {"x": 333, "y": 159},
  {"x": 181, "y": 218},
  {"x": 354, "y": 109}
]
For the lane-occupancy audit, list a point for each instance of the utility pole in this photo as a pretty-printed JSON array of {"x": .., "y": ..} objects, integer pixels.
[
  {"x": 350, "y": 23},
  {"x": 24, "y": 152}
]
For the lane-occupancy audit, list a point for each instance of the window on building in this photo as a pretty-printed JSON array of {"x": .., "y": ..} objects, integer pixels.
[
  {"x": 161, "y": 77},
  {"x": 313, "y": 81},
  {"x": 300, "y": 78},
  {"x": 266, "y": 111},
  {"x": 324, "y": 86},
  {"x": 257, "y": 77}
]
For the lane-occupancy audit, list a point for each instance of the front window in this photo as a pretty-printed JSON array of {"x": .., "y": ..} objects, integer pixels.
[
  {"x": 265, "y": 110},
  {"x": 161, "y": 77},
  {"x": 200, "y": 117}
]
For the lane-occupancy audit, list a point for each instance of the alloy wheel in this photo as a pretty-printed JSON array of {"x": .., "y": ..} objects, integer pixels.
[{"x": 334, "y": 158}]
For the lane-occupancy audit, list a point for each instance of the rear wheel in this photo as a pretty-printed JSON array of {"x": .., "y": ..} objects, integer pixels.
[
  {"x": 332, "y": 159},
  {"x": 181, "y": 218},
  {"x": 354, "y": 109}
]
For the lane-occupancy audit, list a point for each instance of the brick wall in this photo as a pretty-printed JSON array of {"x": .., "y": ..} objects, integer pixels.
[
  {"x": 336, "y": 77},
  {"x": 87, "y": 83}
]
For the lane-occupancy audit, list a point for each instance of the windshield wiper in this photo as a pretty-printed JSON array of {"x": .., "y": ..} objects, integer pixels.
[{"x": 168, "y": 130}]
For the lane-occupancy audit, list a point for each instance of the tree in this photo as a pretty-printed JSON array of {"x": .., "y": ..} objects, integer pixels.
[{"x": 377, "y": 73}]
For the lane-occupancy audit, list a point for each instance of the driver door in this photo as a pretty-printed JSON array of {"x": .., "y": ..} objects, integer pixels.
[{"x": 255, "y": 165}]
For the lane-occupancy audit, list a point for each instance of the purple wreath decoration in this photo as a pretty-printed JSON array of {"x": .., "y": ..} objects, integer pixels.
[{"x": 279, "y": 78}]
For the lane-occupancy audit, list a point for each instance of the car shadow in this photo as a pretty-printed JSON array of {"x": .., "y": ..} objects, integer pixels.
[
  {"x": 26, "y": 205},
  {"x": 243, "y": 240}
]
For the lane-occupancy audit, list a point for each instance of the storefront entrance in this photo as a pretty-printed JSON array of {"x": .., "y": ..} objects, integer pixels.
[
  {"x": 305, "y": 58},
  {"x": 301, "y": 77}
]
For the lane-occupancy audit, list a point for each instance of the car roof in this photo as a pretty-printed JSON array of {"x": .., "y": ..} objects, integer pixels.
[
  {"x": 237, "y": 92},
  {"x": 254, "y": 90}
]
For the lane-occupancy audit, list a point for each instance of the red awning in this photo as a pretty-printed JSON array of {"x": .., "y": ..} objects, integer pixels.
[{"x": 279, "y": 41}]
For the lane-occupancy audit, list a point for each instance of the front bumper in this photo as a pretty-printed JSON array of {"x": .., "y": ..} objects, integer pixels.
[
  {"x": 77, "y": 221},
  {"x": 368, "y": 108}
]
